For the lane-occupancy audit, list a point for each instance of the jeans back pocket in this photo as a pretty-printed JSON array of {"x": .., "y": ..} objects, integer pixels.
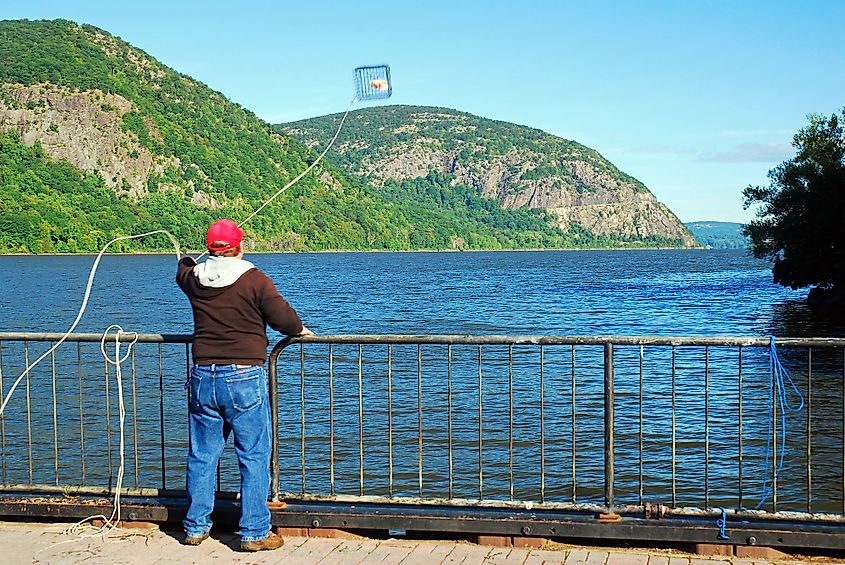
[{"x": 245, "y": 389}]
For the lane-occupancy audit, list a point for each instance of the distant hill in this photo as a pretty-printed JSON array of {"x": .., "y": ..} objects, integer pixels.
[
  {"x": 719, "y": 235},
  {"x": 408, "y": 150}
]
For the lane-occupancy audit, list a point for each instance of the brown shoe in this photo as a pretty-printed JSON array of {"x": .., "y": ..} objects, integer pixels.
[
  {"x": 272, "y": 541},
  {"x": 196, "y": 540}
]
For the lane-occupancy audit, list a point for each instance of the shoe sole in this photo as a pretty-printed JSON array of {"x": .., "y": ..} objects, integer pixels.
[
  {"x": 254, "y": 548},
  {"x": 190, "y": 540}
]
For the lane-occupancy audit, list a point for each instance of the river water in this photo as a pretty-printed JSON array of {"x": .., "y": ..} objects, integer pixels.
[
  {"x": 665, "y": 292},
  {"x": 637, "y": 292}
]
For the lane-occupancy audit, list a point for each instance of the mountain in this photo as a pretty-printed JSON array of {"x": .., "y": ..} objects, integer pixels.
[
  {"x": 719, "y": 235},
  {"x": 399, "y": 148},
  {"x": 98, "y": 140}
]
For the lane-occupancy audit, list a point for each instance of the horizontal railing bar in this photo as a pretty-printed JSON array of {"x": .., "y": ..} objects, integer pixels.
[
  {"x": 734, "y": 341},
  {"x": 624, "y": 509},
  {"x": 71, "y": 491},
  {"x": 87, "y": 337},
  {"x": 374, "y": 339}
]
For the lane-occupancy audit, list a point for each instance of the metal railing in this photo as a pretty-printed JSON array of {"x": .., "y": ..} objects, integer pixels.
[
  {"x": 60, "y": 429},
  {"x": 565, "y": 422},
  {"x": 558, "y": 422}
]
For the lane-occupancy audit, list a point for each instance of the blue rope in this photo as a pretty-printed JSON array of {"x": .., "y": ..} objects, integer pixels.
[
  {"x": 722, "y": 524},
  {"x": 778, "y": 392}
]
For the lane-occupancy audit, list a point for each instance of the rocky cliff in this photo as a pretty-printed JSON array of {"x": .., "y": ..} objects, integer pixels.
[
  {"x": 84, "y": 128},
  {"x": 514, "y": 165}
]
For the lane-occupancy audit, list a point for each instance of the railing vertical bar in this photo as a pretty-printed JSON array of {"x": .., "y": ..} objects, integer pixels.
[
  {"x": 135, "y": 414},
  {"x": 574, "y": 429},
  {"x": 674, "y": 429},
  {"x": 609, "y": 455},
  {"x": 390, "y": 419},
  {"x": 108, "y": 419},
  {"x": 55, "y": 416},
  {"x": 81, "y": 410},
  {"x": 302, "y": 414},
  {"x": 419, "y": 420},
  {"x": 642, "y": 354},
  {"x": 360, "y": 420},
  {"x": 188, "y": 387},
  {"x": 161, "y": 434},
  {"x": 739, "y": 433},
  {"x": 331, "y": 418},
  {"x": 2, "y": 418},
  {"x": 480, "y": 428},
  {"x": 842, "y": 434},
  {"x": 510, "y": 419},
  {"x": 774, "y": 439},
  {"x": 273, "y": 398},
  {"x": 542, "y": 424},
  {"x": 449, "y": 408},
  {"x": 809, "y": 430},
  {"x": 706, "y": 427},
  {"x": 28, "y": 411}
]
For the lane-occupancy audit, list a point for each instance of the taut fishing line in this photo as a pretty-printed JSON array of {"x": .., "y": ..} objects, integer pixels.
[{"x": 371, "y": 83}]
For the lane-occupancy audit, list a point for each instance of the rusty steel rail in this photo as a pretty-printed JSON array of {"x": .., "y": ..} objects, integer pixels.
[
  {"x": 709, "y": 408},
  {"x": 60, "y": 429}
]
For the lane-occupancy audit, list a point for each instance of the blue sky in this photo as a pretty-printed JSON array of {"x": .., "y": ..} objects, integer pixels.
[{"x": 695, "y": 99}]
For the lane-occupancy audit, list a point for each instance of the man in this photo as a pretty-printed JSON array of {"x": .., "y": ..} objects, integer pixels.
[{"x": 232, "y": 303}]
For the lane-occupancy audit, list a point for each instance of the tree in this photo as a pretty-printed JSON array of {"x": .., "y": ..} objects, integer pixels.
[{"x": 800, "y": 224}]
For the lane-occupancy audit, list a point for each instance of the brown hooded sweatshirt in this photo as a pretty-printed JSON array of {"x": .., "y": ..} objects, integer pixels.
[{"x": 230, "y": 321}]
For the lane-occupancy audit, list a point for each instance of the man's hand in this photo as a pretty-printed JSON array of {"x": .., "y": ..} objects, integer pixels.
[{"x": 305, "y": 331}]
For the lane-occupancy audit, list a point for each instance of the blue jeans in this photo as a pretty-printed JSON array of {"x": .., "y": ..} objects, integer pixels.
[{"x": 223, "y": 397}]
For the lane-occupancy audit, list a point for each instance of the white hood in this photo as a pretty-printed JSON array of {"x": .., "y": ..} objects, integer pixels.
[{"x": 217, "y": 272}]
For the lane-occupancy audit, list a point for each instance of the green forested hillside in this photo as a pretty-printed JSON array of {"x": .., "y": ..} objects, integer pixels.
[
  {"x": 221, "y": 148},
  {"x": 98, "y": 140}
]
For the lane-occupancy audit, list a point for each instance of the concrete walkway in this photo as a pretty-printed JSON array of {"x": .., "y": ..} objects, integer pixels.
[{"x": 26, "y": 543}]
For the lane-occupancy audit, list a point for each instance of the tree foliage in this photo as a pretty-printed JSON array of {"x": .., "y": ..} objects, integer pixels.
[{"x": 800, "y": 222}]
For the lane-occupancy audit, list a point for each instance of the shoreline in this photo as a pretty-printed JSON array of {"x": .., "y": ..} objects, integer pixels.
[{"x": 327, "y": 251}]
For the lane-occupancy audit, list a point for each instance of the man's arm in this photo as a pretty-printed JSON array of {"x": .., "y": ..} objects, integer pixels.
[
  {"x": 183, "y": 271},
  {"x": 279, "y": 314}
]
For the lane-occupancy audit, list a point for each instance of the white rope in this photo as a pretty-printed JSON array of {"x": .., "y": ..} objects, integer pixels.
[
  {"x": 178, "y": 256},
  {"x": 299, "y": 176},
  {"x": 111, "y": 523},
  {"x": 84, "y": 306}
]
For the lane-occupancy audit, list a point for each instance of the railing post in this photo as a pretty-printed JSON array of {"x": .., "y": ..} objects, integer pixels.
[
  {"x": 274, "y": 432},
  {"x": 274, "y": 418},
  {"x": 608, "y": 427}
]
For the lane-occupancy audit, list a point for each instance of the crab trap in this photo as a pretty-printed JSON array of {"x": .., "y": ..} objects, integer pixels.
[{"x": 372, "y": 83}]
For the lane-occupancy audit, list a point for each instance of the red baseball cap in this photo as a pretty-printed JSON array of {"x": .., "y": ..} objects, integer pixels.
[{"x": 225, "y": 231}]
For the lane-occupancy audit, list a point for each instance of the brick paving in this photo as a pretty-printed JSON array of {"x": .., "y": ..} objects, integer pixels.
[{"x": 28, "y": 542}]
